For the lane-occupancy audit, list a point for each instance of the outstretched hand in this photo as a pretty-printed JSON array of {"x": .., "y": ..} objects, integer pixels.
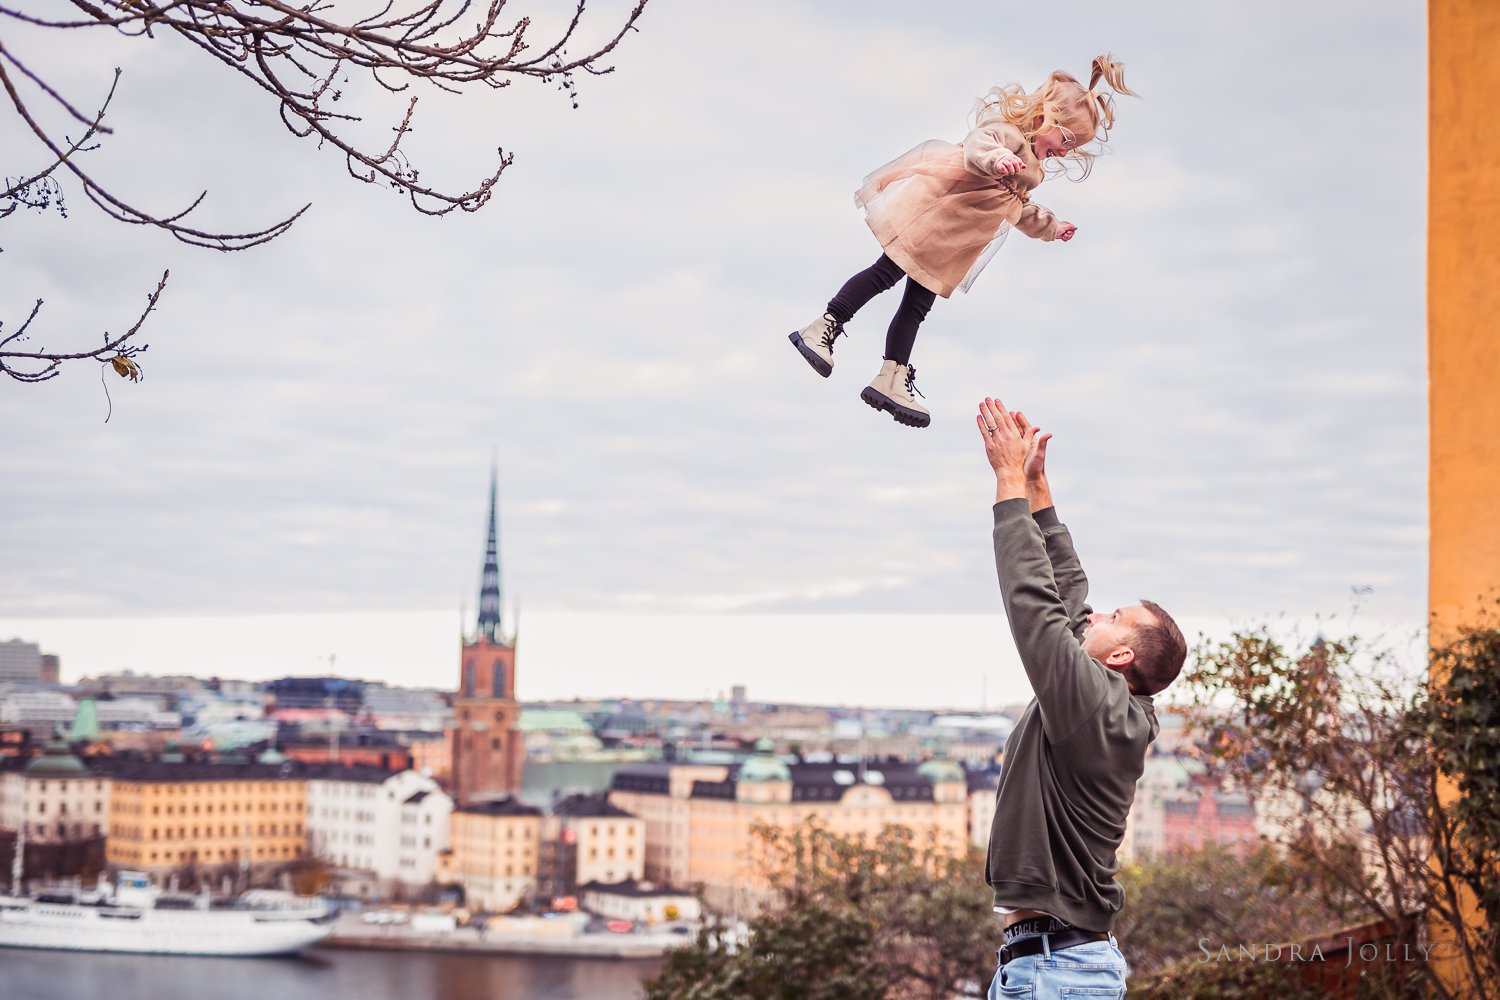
[
  {"x": 1064, "y": 231},
  {"x": 1006, "y": 446}
]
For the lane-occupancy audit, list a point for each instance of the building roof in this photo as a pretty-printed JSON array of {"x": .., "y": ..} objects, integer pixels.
[
  {"x": 499, "y": 807},
  {"x": 940, "y": 769},
  {"x": 821, "y": 781},
  {"x": 764, "y": 765},
  {"x": 332, "y": 770},
  {"x": 552, "y": 720},
  {"x": 653, "y": 779},
  {"x": 57, "y": 761},
  {"x": 588, "y": 806},
  {"x": 137, "y": 769},
  {"x": 900, "y": 778}
]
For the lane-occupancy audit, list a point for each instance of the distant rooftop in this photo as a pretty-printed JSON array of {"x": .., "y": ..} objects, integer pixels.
[
  {"x": 586, "y": 806},
  {"x": 500, "y": 807}
]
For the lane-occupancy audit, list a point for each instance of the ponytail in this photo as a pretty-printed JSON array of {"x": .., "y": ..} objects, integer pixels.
[{"x": 1105, "y": 68}]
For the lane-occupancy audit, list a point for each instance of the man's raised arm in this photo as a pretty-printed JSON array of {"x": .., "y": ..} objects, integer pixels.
[
  {"x": 1067, "y": 571},
  {"x": 1069, "y": 684}
]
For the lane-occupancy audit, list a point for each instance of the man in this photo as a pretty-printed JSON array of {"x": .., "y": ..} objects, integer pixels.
[{"x": 1072, "y": 762}]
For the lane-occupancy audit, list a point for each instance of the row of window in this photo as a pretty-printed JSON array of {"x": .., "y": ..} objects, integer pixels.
[
  {"x": 62, "y": 808},
  {"x": 359, "y": 816},
  {"x": 65, "y": 785},
  {"x": 77, "y": 831},
  {"x": 283, "y": 788},
  {"x": 223, "y": 808},
  {"x": 225, "y": 830},
  {"x": 190, "y": 856}
]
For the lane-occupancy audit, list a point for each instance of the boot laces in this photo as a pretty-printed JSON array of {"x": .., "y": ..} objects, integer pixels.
[
  {"x": 832, "y": 333},
  {"x": 911, "y": 381}
]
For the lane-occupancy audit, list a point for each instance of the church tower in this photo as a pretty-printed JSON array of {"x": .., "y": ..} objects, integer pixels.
[{"x": 488, "y": 752}]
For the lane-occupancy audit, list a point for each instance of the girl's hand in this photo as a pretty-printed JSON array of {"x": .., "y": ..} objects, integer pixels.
[
  {"x": 1064, "y": 231},
  {"x": 1009, "y": 163}
]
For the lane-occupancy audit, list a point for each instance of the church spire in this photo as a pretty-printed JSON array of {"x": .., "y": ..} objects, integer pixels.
[{"x": 489, "y": 587}]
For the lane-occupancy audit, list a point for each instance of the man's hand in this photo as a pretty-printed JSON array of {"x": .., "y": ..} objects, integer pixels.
[
  {"x": 1006, "y": 446},
  {"x": 1037, "y": 489},
  {"x": 1064, "y": 231}
]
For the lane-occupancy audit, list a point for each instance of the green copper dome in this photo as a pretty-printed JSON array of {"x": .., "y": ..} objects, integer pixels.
[
  {"x": 764, "y": 765},
  {"x": 57, "y": 761},
  {"x": 941, "y": 769}
]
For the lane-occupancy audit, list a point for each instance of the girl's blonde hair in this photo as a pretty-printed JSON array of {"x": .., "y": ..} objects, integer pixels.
[{"x": 1062, "y": 100}]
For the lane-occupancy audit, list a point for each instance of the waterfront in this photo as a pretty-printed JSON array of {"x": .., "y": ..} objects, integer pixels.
[{"x": 56, "y": 975}]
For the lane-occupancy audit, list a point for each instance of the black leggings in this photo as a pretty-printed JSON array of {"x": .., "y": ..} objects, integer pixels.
[{"x": 879, "y": 277}]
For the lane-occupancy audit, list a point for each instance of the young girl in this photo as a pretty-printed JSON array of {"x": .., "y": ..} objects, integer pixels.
[{"x": 941, "y": 211}]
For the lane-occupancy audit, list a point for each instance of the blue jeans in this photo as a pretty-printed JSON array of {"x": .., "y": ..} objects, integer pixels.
[{"x": 1092, "y": 971}]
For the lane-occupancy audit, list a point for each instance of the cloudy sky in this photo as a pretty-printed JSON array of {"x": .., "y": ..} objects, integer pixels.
[{"x": 1230, "y": 354}]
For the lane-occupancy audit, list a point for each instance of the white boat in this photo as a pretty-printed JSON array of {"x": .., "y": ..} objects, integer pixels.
[{"x": 134, "y": 916}]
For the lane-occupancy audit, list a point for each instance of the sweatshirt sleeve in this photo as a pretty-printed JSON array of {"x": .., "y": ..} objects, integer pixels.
[
  {"x": 988, "y": 144},
  {"x": 1069, "y": 684},
  {"x": 1037, "y": 222},
  {"x": 1067, "y": 571}
]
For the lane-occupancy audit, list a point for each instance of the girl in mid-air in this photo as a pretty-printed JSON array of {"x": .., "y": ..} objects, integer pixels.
[{"x": 941, "y": 210}]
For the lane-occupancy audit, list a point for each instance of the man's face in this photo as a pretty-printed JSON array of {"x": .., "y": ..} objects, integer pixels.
[{"x": 1108, "y": 635}]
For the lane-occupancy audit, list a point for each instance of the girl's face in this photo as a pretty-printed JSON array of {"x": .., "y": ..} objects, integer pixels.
[{"x": 1059, "y": 140}]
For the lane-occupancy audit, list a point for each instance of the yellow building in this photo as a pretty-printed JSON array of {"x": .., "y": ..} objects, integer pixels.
[
  {"x": 588, "y": 840},
  {"x": 699, "y": 817},
  {"x": 494, "y": 852},
  {"x": 1463, "y": 344},
  {"x": 166, "y": 815}
]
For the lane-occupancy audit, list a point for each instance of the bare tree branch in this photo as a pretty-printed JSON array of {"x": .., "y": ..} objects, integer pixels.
[
  {"x": 303, "y": 58},
  {"x": 41, "y": 364}
]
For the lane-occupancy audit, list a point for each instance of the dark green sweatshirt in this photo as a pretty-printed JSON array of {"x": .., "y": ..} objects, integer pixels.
[{"x": 1072, "y": 762}]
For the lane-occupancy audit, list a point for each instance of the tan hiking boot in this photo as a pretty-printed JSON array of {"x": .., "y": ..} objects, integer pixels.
[
  {"x": 815, "y": 341},
  {"x": 895, "y": 391}
]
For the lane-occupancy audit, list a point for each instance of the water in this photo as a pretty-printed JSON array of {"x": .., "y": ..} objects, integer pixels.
[{"x": 321, "y": 975}]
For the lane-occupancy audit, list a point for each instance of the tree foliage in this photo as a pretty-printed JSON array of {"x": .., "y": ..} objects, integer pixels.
[
  {"x": 1346, "y": 753},
  {"x": 310, "y": 60},
  {"x": 1182, "y": 903},
  {"x": 847, "y": 919}
]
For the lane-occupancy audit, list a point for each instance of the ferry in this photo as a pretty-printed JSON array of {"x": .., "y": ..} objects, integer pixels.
[{"x": 134, "y": 916}]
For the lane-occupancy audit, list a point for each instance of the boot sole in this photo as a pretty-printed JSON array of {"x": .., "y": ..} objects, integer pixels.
[
  {"x": 904, "y": 415},
  {"x": 820, "y": 366}
]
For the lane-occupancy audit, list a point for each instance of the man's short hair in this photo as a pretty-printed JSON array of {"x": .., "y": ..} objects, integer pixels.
[{"x": 1160, "y": 651}]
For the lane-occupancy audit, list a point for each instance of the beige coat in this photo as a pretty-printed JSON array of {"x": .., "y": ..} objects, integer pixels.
[{"x": 940, "y": 210}]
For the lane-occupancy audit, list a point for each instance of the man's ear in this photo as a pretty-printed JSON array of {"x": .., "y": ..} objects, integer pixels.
[{"x": 1120, "y": 657}]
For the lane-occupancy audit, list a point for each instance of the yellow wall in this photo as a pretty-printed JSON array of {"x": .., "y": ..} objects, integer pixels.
[
  {"x": 493, "y": 857},
  {"x": 717, "y": 847},
  {"x": 1463, "y": 307},
  {"x": 1463, "y": 317},
  {"x": 160, "y": 825}
]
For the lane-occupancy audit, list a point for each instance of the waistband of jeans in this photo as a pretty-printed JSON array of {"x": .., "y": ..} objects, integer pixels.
[{"x": 1032, "y": 926}]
